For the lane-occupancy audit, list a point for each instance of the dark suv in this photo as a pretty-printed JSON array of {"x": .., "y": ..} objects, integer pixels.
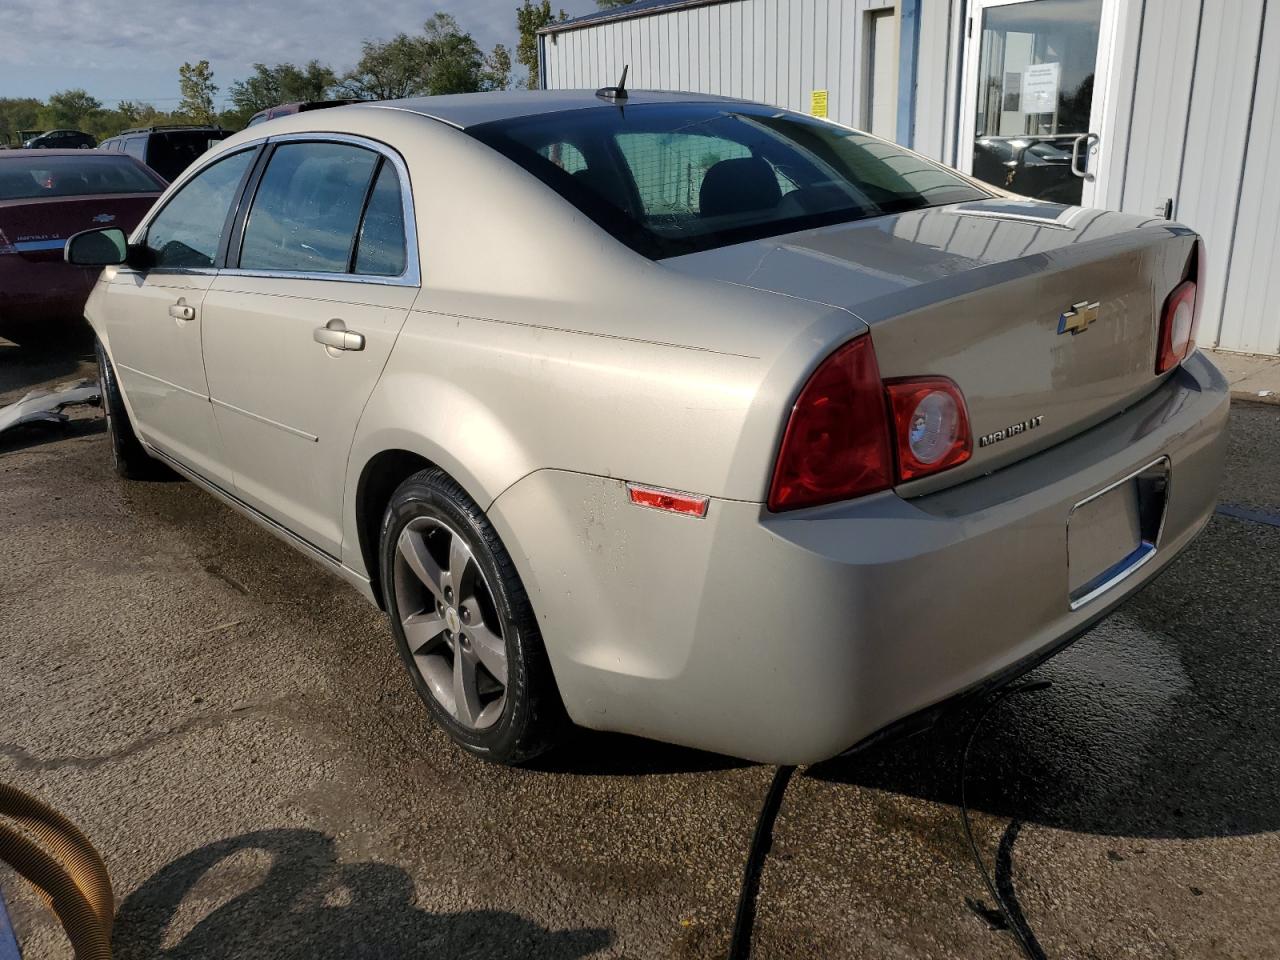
[
  {"x": 62, "y": 140},
  {"x": 168, "y": 150}
]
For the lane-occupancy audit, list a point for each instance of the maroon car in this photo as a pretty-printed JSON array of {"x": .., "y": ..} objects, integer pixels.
[{"x": 45, "y": 197}]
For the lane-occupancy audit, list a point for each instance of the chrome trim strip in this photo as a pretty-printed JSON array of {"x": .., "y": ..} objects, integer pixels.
[
  {"x": 261, "y": 419},
  {"x": 412, "y": 276},
  {"x": 151, "y": 376},
  {"x": 1146, "y": 549}
]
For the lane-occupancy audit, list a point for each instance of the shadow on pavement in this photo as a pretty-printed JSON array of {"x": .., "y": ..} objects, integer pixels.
[
  {"x": 1161, "y": 723},
  {"x": 282, "y": 894},
  {"x": 22, "y": 367},
  {"x": 597, "y": 754}
]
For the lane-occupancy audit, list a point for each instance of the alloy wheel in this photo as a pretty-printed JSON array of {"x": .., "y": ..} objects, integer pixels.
[{"x": 451, "y": 624}]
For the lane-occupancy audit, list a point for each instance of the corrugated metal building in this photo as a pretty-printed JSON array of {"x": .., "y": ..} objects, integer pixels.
[{"x": 1155, "y": 107}]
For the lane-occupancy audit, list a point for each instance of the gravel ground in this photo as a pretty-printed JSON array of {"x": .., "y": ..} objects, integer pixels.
[{"x": 231, "y": 727}]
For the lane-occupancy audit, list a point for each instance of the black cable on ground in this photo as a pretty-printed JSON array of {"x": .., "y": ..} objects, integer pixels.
[
  {"x": 745, "y": 919},
  {"x": 1016, "y": 925}
]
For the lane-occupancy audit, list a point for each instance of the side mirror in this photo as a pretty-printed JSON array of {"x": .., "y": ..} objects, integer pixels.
[{"x": 97, "y": 248}]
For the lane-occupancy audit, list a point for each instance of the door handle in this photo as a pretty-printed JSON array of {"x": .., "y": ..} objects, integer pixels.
[
  {"x": 180, "y": 310},
  {"x": 1088, "y": 139},
  {"x": 335, "y": 336}
]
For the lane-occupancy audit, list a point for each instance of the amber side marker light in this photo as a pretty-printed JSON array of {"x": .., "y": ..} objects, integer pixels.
[{"x": 673, "y": 501}]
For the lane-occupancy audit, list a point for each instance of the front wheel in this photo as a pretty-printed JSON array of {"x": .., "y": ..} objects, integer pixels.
[
  {"x": 128, "y": 457},
  {"x": 463, "y": 623}
]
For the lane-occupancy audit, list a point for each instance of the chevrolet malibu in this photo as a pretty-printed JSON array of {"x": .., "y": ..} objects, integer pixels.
[{"x": 666, "y": 414}]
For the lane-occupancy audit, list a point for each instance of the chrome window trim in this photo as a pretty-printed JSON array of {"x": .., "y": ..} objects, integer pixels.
[{"x": 412, "y": 275}]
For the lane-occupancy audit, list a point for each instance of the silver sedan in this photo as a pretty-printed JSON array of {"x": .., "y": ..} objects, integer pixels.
[{"x": 667, "y": 414}]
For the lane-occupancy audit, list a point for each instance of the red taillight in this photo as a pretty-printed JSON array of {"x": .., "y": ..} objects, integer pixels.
[
  {"x": 931, "y": 425},
  {"x": 836, "y": 445},
  {"x": 1178, "y": 325}
]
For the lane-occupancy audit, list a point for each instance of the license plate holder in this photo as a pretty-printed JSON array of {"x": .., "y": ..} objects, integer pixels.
[{"x": 1114, "y": 532}]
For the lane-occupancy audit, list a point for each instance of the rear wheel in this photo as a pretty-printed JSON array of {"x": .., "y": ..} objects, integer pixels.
[
  {"x": 128, "y": 457},
  {"x": 463, "y": 624}
]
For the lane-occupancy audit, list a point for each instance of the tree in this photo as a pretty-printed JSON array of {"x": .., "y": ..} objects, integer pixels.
[
  {"x": 195, "y": 83},
  {"x": 442, "y": 59},
  {"x": 388, "y": 70},
  {"x": 530, "y": 18},
  {"x": 18, "y": 113},
  {"x": 453, "y": 58},
  {"x": 496, "y": 74},
  {"x": 283, "y": 83},
  {"x": 69, "y": 109}
]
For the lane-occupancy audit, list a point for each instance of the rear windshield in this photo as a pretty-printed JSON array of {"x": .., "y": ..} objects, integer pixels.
[
  {"x": 668, "y": 179},
  {"x": 23, "y": 178}
]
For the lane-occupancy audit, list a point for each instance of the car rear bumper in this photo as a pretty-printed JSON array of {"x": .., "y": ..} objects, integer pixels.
[{"x": 790, "y": 638}]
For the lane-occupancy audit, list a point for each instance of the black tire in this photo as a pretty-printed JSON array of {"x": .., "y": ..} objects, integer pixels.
[
  {"x": 128, "y": 457},
  {"x": 532, "y": 718}
]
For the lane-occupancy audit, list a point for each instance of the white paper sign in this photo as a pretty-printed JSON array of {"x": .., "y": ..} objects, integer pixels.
[{"x": 1040, "y": 88}]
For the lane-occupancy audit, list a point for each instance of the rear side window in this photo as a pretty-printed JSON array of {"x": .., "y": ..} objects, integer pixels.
[
  {"x": 188, "y": 231},
  {"x": 307, "y": 208},
  {"x": 380, "y": 251},
  {"x": 136, "y": 147},
  {"x": 675, "y": 178},
  {"x": 94, "y": 173}
]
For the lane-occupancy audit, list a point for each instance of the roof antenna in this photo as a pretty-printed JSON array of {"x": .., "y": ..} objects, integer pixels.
[{"x": 620, "y": 91}]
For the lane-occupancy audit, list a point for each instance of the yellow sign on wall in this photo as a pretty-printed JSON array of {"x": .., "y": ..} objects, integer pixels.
[{"x": 818, "y": 103}]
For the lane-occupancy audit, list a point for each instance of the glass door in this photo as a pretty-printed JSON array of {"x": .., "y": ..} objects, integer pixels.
[{"x": 1036, "y": 70}]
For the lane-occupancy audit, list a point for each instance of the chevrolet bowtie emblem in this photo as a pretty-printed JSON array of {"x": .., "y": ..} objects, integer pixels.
[{"x": 1077, "y": 319}]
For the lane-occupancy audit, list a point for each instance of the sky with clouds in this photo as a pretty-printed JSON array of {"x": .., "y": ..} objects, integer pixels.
[{"x": 126, "y": 49}]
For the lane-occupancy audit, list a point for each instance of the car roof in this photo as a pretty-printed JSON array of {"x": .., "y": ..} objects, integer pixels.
[{"x": 465, "y": 110}]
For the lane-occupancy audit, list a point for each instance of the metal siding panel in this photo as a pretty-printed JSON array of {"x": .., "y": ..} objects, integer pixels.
[
  {"x": 804, "y": 82},
  {"x": 850, "y": 59},
  {"x": 735, "y": 49},
  {"x": 762, "y": 41},
  {"x": 770, "y": 62},
  {"x": 1251, "y": 319},
  {"x": 795, "y": 53},
  {"x": 1162, "y": 95},
  {"x": 1216, "y": 131},
  {"x": 931, "y": 79},
  {"x": 818, "y": 81},
  {"x": 831, "y": 75}
]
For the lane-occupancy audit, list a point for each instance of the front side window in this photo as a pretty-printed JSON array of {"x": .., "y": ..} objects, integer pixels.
[
  {"x": 675, "y": 178},
  {"x": 188, "y": 231},
  {"x": 307, "y": 209}
]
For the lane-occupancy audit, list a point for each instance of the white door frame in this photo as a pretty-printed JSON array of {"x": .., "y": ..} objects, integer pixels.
[{"x": 1104, "y": 156}]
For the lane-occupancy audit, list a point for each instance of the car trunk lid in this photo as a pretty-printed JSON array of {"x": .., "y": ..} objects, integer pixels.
[
  {"x": 37, "y": 229},
  {"x": 988, "y": 294}
]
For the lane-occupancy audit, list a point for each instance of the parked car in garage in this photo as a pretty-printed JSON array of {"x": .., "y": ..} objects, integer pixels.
[
  {"x": 676, "y": 415},
  {"x": 61, "y": 140},
  {"x": 45, "y": 197},
  {"x": 168, "y": 149},
  {"x": 288, "y": 109}
]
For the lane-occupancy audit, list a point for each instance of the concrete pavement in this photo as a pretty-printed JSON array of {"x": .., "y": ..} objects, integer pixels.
[{"x": 231, "y": 726}]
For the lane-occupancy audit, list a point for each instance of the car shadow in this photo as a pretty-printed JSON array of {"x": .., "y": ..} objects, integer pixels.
[
  {"x": 1133, "y": 739},
  {"x": 598, "y": 754},
  {"x": 22, "y": 368},
  {"x": 282, "y": 894},
  {"x": 29, "y": 435}
]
